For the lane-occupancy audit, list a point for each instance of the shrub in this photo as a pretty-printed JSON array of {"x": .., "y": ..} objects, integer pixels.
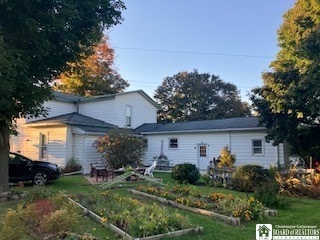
[
  {"x": 38, "y": 220},
  {"x": 38, "y": 192},
  {"x": 226, "y": 159},
  {"x": 72, "y": 166},
  {"x": 185, "y": 173},
  {"x": 248, "y": 177},
  {"x": 121, "y": 148}
]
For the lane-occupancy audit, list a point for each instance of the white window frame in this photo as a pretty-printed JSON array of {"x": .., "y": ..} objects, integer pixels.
[
  {"x": 43, "y": 146},
  {"x": 173, "y": 145},
  {"x": 128, "y": 112},
  {"x": 254, "y": 153}
]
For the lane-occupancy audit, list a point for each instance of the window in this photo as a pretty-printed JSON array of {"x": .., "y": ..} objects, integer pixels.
[
  {"x": 128, "y": 116},
  {"x": 173, "y": 143},
  {"x": 257, "y": 147},
  {"x": 43, "y": 145},
  {"x": 203, "y": 151}
]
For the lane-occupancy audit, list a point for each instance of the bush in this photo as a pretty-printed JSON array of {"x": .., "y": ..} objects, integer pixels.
[
  {"x": 185, "y": 173},
  {"x": 120, "y": 147},
  {"x": 38, "y": 220},
  {"x": 249, "y": 177},
  {"x": 72, "y": 166},
  {"x": 226, "y": 159}
]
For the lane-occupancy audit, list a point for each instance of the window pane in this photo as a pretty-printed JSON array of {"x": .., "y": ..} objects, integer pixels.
[
  {"x": 257, "y": 151},
  {"x": 173, "y": 143},
  {"x": 257, "y": 147},
  {"x": 203, "y": 151},
  {"x": 257, "y": 143}
]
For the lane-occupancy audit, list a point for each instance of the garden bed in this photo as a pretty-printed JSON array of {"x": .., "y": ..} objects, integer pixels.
[
  {"x": 230, "y": 220},
  {"x": 232, "y": 210},
  {"x": 133, "y": 219}
]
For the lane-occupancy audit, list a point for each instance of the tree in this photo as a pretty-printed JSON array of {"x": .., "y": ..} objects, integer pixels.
[
  {"x": 193, "y": 96},
  {"x": 288, "y": 102},
  {"x": 121, "y": 148},
  {"x": 226, "y": 158},
  {"x": 93, "y": 75},
  {"x": 37, "y": 38}
]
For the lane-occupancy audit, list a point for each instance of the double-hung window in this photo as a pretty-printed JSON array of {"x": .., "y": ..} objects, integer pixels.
[
  {"x": 257, "y": 147},
  {"x": 43, "y": 142},
  {"x": 128, "y": 116},
  {"x": 173, "y": 143}
]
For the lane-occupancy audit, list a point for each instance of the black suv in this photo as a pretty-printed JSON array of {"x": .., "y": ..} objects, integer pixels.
[{"x": 24, "y": 169}]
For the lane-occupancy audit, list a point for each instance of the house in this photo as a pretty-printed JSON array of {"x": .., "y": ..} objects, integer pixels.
[
  {"x": 73, "y": 124},
  {"x": 198, "y": 142}
]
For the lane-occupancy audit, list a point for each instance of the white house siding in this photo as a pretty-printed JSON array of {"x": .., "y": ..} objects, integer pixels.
[
  {"x": 142, "y": 110},
  {"x": 239, "y": 142},
  {"x": 103, "y": 110},
  {"x": 90, "y": 154},
  {"x": 78, "y": 148},
  {"x": 29, "y": 143},
  {"x": 56, "y": 108},
  {"x": 241, "y": 145}
]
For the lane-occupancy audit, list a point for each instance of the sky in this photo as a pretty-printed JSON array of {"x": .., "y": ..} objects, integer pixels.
[{"x": 233, "y": 39}]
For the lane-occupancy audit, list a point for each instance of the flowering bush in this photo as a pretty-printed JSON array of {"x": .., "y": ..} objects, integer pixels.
[{"x": 121, "y": 148}]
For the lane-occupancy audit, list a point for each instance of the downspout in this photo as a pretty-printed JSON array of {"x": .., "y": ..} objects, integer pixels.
[
  {"x": 278, "y": 156},
  {"x": 77, "y": 106},
  {"x": 83, "y": 153}
]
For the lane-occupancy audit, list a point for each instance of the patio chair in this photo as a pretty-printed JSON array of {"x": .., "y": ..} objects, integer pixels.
[{"x": 149, "y": 170}]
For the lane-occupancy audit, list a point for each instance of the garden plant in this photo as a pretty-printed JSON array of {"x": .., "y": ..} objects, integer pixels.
[
  {"x": 132, "y": 215},
  {"x": 246, "y": 209}
]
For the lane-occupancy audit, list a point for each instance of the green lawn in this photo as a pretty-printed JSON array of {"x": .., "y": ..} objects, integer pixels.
[{"x": 302, "y": 211}]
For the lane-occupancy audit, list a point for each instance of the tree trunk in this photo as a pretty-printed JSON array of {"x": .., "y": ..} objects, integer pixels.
[{"x": 4, "y": 156}]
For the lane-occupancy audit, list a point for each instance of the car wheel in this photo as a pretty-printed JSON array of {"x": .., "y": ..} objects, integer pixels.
[{"x": 40, "y": 178}]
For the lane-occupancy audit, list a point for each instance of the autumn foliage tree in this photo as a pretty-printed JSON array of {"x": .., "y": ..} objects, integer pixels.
[
  {"x": 93, "y": 75},
  {"x": 120, "y": 148},
  {"x": 198, "y": 96},
  {"x": 288, "y": 102}
]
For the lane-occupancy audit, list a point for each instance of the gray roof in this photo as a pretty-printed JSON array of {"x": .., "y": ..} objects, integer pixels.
[
  {"x": 83, "y": 122},
  {"x": 245, "y": 123},
  {"x": 66, "y": 97}
]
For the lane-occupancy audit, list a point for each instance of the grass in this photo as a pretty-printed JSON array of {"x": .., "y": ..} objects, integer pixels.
[{"x": 302, "y": 211}]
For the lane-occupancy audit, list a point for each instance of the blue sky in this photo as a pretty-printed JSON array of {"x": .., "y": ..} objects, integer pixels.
[{"x": 234, "y": 39}]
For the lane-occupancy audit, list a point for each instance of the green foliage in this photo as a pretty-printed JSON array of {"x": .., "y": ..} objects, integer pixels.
[
  {"x": 40, "y": 219},
  {"x": 288, "y": 102},
  {"x": 246, "y": 209},
  {"x": 72, "y": 165},
  {"x": 185, "y": 173},
  {"x": 226, "y": 159},
  {"x": 38, "y": 192},
  {"x": 37, "y": 39},
  {"x": 247, "y": 178},
  {"x": 133, "y": 215},
  {"x": 121, "y": 148},
  {"x": 194, "y": 96}
]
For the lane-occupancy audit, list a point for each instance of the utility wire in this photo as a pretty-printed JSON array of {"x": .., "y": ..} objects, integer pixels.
[{"x": 191, "y": 52}]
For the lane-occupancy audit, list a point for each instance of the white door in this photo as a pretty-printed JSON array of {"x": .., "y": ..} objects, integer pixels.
[{"x": 203, "y": 159}]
